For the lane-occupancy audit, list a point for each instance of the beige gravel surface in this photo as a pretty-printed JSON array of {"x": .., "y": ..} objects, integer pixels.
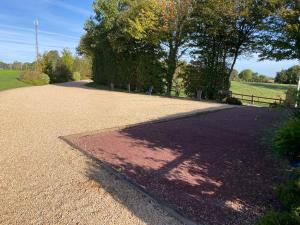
[{"x": 44, "y": 181}]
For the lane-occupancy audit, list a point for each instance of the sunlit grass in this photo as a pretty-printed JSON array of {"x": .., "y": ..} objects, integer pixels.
[{"x": 9, "y": 79}]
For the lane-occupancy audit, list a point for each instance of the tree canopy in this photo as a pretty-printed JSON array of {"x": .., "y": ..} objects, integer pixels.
[
  {"x": 289, "y": 76},
  {"x": 139, "y": 43}
]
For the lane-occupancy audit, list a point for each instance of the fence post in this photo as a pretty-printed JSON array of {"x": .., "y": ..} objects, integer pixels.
[
  {"x": 280, "y": 100},
  {"x": 252, "y": 100}
]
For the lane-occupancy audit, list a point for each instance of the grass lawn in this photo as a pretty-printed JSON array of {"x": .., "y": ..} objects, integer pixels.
[
  {"x": 9, "y": 79},
  {"x": 260, "y": 89}
]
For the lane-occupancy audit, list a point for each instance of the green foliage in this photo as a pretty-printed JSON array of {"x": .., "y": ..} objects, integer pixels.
[
  {"x": 289, "y": 76},
  {"x": 259, "y": 78},
  {"x": 234, "y": 75},
  {"x": 61, "y": 73},
  {"x": 289, "y": 194},
  {"x": 76, "y": 76},
  {"x": 34, "y": 78},
  {"x": 192, "y": 79},
  {"x": 122, "y": 44},
  {"x": 223, "y": 31},
  {"x": 67, "y": 59},
  {"x": 276, "y": 218},
  {"x": 246, "y": 75},
  {"x": 233, "y": 101},
  {"x": 84, "y": 66},
  {"x": 123, "y": 33},
  {"x": 61, "y": 68},
  {"x": 280, "y": 37},
  {"x": 296, "y": 114},
  {"x": 287, "y": 141},
  {"x": 291, "y": 97}
]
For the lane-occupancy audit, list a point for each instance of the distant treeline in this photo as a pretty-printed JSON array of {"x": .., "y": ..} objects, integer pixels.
[
  {"x": 250, "y": 76},
  {"x": 16, "y": 65},
  {"x": 289, "y": 76}
]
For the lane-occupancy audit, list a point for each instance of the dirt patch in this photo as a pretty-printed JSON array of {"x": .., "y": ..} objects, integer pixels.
[{"x": 213, "y": 168}]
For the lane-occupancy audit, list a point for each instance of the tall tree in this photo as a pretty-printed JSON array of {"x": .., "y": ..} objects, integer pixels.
[
  {"x": 224, "y": 30},
  {"x": 67, "y": 58},
  {"x": 176, "y": 21},
  {"x": 120, "y": 37},
  {"x": 247, "y": 75},
  {"x": 280, "y": 37}
]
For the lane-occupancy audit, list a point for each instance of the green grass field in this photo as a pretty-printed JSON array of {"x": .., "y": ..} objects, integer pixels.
[
  {"x": 260, "y": 89},
  {"x": 9, "y": 79}
]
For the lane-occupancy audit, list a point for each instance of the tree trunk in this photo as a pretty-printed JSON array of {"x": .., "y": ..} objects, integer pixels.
[{"x": 172, "y": 64}]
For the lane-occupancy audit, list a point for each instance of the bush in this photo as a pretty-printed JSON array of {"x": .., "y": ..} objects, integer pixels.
[
  {"x": 297, "y": 114},
  {"x": 61, "y": 74},
  {"x": 34, "y": 78},
  {"x": 291, "y": 97},
  {"x": 275, "y": 218},
  {"x": 287, "y": 141},
  {"x": 233, "y": 101},
  {"x": 296, "y": 213},
  {"x": 289, "y": 194},
  {"x": 76, "y": 76}
]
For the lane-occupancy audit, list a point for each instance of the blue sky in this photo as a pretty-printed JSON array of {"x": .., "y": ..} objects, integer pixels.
[{"x": 61, "y": 25}]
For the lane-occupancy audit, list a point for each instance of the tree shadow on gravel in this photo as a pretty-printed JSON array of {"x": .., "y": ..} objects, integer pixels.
[
  {"x": 212, "y": 168},
  {"x": 137, "y": 203}
]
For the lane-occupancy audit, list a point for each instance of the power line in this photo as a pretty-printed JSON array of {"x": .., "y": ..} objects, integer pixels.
[
  {"x": 29, "y": 43},
  {"x": 41, "y": 32}
]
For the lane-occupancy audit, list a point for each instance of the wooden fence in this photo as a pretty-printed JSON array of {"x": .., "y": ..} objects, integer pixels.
[{"x": 257, "y": 99}]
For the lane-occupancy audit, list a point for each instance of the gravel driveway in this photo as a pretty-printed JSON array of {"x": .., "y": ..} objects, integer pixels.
[{"x": 43, "y": 181}]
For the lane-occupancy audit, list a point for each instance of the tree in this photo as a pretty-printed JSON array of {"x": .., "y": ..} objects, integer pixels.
[
  {"x": 48, "y": 63},
  {"x": 280, "y": 37},
  {"x": 289, "y": 76},
  {"x": 262, "y": 79},
  {"x": 246, "y": 75},
  {"x": 3, "y": 65},
  {"x": 122, "y": 41},
  {"x": 234, "y": 75},
  {"x": 224, "y": 30},
  {"x": 176, "y": 16},
  {"x": 67, "y": 59},
  {"x": 58, "y": 68},
  {"x": 83, "y": 65}
]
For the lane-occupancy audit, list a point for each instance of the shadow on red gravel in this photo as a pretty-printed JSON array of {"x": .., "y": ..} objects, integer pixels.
[{"x": 212, "y": 168}]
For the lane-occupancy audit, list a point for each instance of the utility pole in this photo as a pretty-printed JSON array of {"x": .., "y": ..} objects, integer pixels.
[{"x": 36, "y": 24}]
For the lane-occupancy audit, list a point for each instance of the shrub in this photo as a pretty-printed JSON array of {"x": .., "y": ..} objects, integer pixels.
[
  {"x": 289, "y": 194},
  {"x": 76, "y": 76},
  {"x": 297, "y": 114},
  {"x": 291, "y": 97},
  {"x": 233, "y": 101},
  {"x": 34, "y": 78},
  {"x": 296, "y": 213},
  {"x": 287, "y": 141},
  {"x": 275, "y": 218},
  {"x": 61, "y": 74}
]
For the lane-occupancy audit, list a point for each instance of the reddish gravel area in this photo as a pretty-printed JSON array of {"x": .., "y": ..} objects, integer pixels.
[{"x": 213, "y": 168}]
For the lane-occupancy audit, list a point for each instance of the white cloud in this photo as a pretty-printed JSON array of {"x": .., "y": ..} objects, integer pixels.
[{"x": 70, "y": 7}]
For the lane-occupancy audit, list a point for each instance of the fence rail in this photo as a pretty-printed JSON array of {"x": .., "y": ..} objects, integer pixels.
[{"x": 257, "y": 99}]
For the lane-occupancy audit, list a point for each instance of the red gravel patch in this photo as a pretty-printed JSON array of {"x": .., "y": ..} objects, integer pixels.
[{"x": 213, "y": 167}]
